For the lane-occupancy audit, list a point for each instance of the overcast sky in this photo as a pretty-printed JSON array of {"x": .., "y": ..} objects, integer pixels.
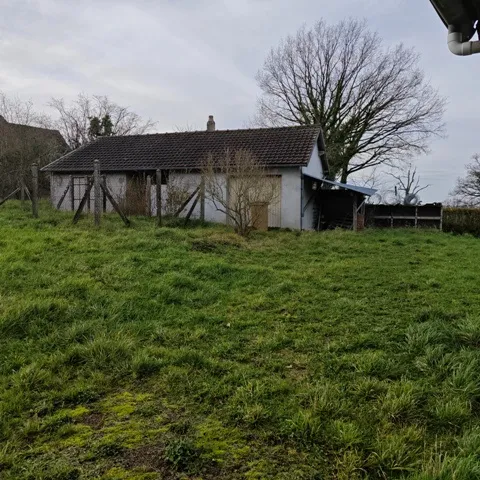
[{"x": 177, "y": 61}]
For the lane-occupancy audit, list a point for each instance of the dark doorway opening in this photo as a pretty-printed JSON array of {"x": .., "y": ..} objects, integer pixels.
[{"x": 339, "y": 209}]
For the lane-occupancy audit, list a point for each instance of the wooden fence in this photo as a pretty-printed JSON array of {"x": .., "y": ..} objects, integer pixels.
[{"x": 401, "y": 216}]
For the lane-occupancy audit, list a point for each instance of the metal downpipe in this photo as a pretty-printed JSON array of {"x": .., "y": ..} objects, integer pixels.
[{"x": 457, "y": 47}]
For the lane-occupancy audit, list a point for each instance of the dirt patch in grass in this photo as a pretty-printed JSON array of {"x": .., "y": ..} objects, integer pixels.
[
  {"x": 150, "y": 458},
  {"x": 159, "y": 459},
  {"x": 93, "y": 420}
]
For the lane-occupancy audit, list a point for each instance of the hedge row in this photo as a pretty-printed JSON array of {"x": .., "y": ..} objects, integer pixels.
[{"x": 462, "y": 220}]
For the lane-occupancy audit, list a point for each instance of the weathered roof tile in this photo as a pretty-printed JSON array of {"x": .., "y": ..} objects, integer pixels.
[{"x": 285, "y": 146}]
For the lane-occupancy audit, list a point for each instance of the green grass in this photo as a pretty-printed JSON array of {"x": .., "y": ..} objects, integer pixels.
[{"x": 175, "y": 353}]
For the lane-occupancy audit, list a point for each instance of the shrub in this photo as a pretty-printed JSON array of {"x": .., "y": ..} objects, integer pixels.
[{"x": 462, "y": 220}]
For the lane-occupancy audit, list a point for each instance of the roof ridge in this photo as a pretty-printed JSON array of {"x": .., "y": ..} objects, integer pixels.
[{"x": 255, "y": 129}]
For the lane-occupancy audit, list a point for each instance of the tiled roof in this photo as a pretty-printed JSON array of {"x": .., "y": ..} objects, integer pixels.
[{"x": 285, "y": 146}]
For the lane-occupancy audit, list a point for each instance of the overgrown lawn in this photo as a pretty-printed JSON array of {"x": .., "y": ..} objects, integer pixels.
[{"x": 174, "y": 353}]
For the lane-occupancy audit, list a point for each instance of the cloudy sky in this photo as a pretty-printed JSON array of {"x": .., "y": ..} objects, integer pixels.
[{"x": 177, "y": 61}]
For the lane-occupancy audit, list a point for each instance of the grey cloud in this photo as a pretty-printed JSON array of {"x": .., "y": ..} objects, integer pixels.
[{"x": 179, "y": 60}]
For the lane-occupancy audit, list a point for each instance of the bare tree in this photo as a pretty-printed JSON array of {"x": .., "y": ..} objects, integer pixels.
[
  {"x": 373, "y": 103},
  {"x": 74, "y": 120},
  {"x": 467, "y": 190},
  {"x": 407, "y": 183},
  {"x": 234, "y": 182},
  {"x": 15, "y": 110},
  {"x": 370, "y": 178}
]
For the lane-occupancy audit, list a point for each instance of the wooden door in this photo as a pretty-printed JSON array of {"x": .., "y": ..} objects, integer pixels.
[
  {"x": 135, "y": 198},
  {"x": 274, "y": 205}
]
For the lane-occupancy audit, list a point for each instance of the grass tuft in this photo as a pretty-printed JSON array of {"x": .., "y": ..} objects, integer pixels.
[{"x": 177, "y": 353}]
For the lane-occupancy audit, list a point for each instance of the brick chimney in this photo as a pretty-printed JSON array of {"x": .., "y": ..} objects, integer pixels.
[{"x": 210, "y": 124}]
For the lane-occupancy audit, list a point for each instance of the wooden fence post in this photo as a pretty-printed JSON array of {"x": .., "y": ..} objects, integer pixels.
[
  {"x": 9, "y": 196},
  {"x": 97, "y": 205},
  {"x": 355, "y": 213},
  {"x": 186, "y": 202},
  {"x": 115, "y": 206},
  {"x": 62, "y": 198},
  {"x": 35, "y": 190},
  {"x": 202, "y": 199},
  {"x": 148, "y": 196},
  {"x": 159, "y": 197},
  {"x": 104, "y": 197},
  {"x": 83, "y": 201},
  {"x": 22, "y": 190},
  {"x": 72, "y": 193},
  {"x": 192, "y": 208}
]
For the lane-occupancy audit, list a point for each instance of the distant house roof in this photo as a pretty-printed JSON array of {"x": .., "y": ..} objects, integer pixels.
[
  {"x": 284, "y": 146},
  {"x": 33, "y": 134}
]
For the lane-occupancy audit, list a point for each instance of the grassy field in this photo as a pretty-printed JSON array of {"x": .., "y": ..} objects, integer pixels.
[{"x": 149, "y": 353}]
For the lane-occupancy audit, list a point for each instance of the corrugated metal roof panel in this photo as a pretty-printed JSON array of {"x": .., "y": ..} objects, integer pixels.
[{"x": 354, "y": 188}]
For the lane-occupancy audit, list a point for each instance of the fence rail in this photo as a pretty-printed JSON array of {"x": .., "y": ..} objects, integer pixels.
[{"x": 398, "y": 216}]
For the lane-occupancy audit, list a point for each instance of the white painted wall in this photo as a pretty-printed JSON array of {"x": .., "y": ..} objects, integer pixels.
[
  {"x": 290, "y": 195},
  {"x": 58, "y": 184},
  {"x": 314, "y": 167},
  {"x": 309, "y": 206},
  {"x": 116, "y": 183},
  {"x": 190, "y": 181}
]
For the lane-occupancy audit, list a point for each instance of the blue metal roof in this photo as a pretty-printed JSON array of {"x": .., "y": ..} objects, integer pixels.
[{"x": 354, "y": 188}]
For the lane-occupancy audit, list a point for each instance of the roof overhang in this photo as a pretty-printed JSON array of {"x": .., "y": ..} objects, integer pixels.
[
  {"x": 463, "y": 14},
  {"x": 51, "y": 169},
  {"x": 354, "y": 188}
]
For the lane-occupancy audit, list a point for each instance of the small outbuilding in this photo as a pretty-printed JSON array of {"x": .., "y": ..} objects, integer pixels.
[{"x": 294, "y": 156}]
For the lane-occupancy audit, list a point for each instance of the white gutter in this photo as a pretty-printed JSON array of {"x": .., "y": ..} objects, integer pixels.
[{"x": 457, "y": 47}]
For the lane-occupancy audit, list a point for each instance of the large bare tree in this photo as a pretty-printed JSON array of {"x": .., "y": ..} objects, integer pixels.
[
  {"x": 75, "y": 118},
  {"x": 373, "y": 102},
  {"x": 467, "y": 190}
]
